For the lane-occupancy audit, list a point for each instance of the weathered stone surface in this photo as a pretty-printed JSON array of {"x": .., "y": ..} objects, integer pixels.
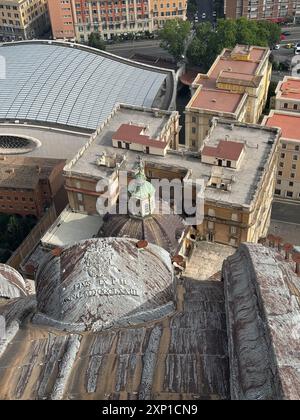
[
  {"x": 100, "y": 283},
  {"x": 12, "y": 284},
  {"x": 171, "y": 358},
  {"x": 263, "y": 322},
  {"x": 246, "y": 347}
]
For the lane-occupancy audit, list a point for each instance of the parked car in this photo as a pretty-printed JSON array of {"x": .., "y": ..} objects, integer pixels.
[
  {"x": 203, "y": 15},
  {"x": 286, "y": 33},
  {"x": 297, "y": 49},
  {"x": 289, "y": 46},
  {"x": 277, "y": 47}
]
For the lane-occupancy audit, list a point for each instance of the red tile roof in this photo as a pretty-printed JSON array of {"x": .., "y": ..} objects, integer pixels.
[
  {"x": 230, "y": 150},
  {"x": 289, "y": 124},
  {"x": 132, "y": 134}
]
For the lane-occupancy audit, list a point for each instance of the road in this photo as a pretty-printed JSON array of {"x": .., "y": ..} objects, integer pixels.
[
  {"x": 286, "y": 211},
  {"x": 129, "y": 48},
  {"x": 294, "y": 34},
  {"x": 286, "y": 221},
  {"x": 207, "y": 7}
]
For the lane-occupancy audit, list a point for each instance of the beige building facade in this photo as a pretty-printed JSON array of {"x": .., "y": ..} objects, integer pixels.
[
  {"x": 288, "y": 95},
  {"x": 23, "y": 19},
  {"x": 288, "y": 170},
  {"x": 235, "y": 87}
]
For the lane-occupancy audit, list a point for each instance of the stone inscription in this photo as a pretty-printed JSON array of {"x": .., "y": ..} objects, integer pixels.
[{"x": 102, "y": 282}]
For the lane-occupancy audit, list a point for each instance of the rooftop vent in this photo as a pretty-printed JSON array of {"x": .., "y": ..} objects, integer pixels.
[{"x": 108, "y": 160}]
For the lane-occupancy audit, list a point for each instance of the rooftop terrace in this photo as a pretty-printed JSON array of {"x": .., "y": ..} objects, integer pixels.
[{"x": 259, "y": 143}]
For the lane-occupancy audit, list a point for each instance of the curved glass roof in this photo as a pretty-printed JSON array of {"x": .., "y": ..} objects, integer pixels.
[{"x": 72, "y": 86}]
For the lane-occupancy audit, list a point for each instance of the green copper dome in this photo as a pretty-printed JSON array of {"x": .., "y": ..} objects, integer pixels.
[{"x": 139, "y": 188}]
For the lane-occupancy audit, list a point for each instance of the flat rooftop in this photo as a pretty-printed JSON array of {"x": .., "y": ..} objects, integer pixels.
[
  {"x": 288, "y": 122},
  {"x": 259, "y": 145},
  {"x": 85, "y": 164},
  {"x": 228, "y": 68},
  {"x": 217, "y": 100},
  {"x": 70, "y": 228},
  {"x": 290, "y": 88},
  {"x": 228, "y": 62},
  {"x": 54, "y": 143}
]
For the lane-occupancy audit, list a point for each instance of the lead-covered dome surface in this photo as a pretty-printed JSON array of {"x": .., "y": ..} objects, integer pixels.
[{"x": 101, "y": 283}]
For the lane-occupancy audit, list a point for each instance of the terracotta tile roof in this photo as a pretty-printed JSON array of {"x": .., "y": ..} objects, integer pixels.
[
  {"x": 132, "y": 134},
  {"x": 230, "y": 150},
  {"x": 289, "y": 124}
]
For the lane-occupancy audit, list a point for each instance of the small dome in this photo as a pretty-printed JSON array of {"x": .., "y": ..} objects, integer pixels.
[
  {"x": 101, "y": 283},
  {"x": 159, "y": 229},
  {"x": 12, "y": 284}
]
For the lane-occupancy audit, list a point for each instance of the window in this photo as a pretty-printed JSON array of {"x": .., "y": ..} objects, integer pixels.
[
  {"x": 193, "y": 143},
  {"x": 282, "y": 155},
  {"x": 294, "y": 166},
  {"x": 295, "y": 106},
  {"x": 297, "y": 148},
  {"x": 281, "y": 164},
  {"x": 289, "y": 193},
  {"x": 284, "y": 146},
  {"x": 278, "y": 181},
  {"x": 194, "y": 130},
  {"x": 285, "y": 105},
  {"x": 233, "y": 230},
  {"x": 295, "y": 157},
  {"x": 292, "y": 175},
  {"x": 79, "y": 197},
  {"x": 277, "y": 192},
  {"x": 235, "y": 217},
  {"x": 279, "y": 173},
  {"x": 291, "y": 184},
  {"x": 193, "y": 119}
]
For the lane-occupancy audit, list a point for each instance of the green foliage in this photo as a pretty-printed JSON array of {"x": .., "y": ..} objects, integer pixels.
[
  {"x": 13, "y": 230},
  {"x": 96, "y": 41},
  {"x": 173, "y": 36},
  {"x": 208, "y": 43}
]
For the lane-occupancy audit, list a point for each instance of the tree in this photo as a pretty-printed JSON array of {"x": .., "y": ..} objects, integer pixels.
[
  {"x": 208, "y": 43},
  {"x": 203, "y": 48},
  {"x": 174, "y": 36},
  {"x": 96, "y": 41}
]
